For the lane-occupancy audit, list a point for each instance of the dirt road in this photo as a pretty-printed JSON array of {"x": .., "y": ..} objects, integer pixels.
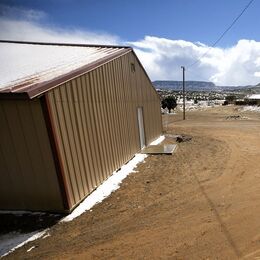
[{"x": 203, "y": 202}]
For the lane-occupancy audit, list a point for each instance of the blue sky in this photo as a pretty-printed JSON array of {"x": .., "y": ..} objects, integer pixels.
[
  {"x": 191, "y": 20},
  {"x": 184, "y": 28}
]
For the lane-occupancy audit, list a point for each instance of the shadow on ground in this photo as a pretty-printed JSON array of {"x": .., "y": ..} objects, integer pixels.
[{"x": 27, "y": 222}]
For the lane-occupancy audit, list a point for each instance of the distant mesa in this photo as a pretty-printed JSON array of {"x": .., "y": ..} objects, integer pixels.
[
  {"x": 204, "y": 86},
  {"x": 190, "y": 85}
]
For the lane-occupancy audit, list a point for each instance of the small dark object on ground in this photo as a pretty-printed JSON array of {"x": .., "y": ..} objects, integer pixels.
[
  {"x": 183, "y": 138},
  {"x": 233, "y": 117}
]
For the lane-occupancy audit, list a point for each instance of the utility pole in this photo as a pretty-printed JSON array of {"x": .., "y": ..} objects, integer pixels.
[{"x": 183, "y": 90}]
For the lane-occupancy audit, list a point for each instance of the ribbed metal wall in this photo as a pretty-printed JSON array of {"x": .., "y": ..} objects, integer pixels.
[
  {"x": 28, "y": 177},
  {"x": 95, "y": 122}
]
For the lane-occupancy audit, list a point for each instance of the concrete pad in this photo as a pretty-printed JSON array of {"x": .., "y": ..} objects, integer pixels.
[{"x": 159, "y": 149}]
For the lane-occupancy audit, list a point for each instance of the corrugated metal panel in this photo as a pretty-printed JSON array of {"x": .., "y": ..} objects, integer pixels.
[
  {"x": 95, "y": 121},
  {"x": 28, "y": 176}
]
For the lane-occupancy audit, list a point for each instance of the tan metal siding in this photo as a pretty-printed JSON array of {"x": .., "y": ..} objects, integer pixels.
[
  {"x": 28, "y": 177},
  {"x": 146, "y": 97},
  {"x": 95, "y": 121}
]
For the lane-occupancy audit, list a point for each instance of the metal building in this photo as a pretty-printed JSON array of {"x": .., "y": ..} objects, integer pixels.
[{"x": 70, "y": 115}]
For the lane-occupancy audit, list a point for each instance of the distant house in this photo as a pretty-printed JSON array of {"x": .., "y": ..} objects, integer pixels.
[{"x": 70, "y": 115}]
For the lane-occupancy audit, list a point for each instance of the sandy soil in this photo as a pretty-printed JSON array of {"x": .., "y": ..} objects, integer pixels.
[{"x": 203, "y": 202}]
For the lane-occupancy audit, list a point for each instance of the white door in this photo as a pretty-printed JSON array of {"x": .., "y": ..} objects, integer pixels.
[{"x": 141, "y": 126}]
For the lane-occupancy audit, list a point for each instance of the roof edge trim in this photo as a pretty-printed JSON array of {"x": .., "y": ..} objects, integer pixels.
[
  {"x": 40, "y": 88},
  {"x": 65, "y": 44}
]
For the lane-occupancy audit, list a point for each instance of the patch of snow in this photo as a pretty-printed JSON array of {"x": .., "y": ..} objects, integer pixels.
[
  {"x": 109, "y": 186},
  {"x": 158, "y": 140},
  {"x": 254, "y": 96},
  {"x": 37, "y": 63},
  {"x": 166, "y": 111},
  {"x": 201, "y": 105},
  {"x": 11, "y": 241},
  {"x": 250, "y": 108},
  {"x": 31, "y": 248},
  {"x": 106, "y": 188},
  {"x": 47, "y": 235}
]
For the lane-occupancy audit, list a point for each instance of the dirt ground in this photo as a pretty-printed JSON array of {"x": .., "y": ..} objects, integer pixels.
[{"x": 202, "y": 202}]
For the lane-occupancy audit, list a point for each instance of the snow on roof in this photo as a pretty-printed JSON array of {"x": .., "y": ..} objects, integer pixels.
[
  {"x": 254, "y": 96},
  {"x": 26, "y": 65}
]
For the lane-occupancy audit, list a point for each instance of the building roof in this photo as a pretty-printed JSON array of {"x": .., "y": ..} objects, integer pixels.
[
  {"x": 254, "y": 96},
  {"x": 29, "y": 69}
]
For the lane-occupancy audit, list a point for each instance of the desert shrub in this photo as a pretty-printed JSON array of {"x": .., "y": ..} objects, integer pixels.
[
  {"x": 225, "y": 103},
  {"x": 246, "y": 102},
  {"x": 230, "y": 98},
  {"x": 169, "y": 102}
]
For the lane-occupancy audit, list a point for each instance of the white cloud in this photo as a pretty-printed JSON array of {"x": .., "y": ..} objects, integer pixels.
[
  {"x": 30, "y": 31},
  {"x": 162, "y": 58},
  {"x": 28, "y": 25}
]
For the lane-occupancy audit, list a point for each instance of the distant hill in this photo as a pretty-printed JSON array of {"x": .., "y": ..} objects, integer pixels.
[
  {"x": 204, "y": 86},
  {"x": 189, "y": 85},
  {"x": 250, "y": 89}
]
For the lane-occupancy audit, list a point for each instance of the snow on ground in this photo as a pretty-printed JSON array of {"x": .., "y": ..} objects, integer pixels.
[
  {"x": 11, "y": 241},
  {"x": 110, "y": 185},
  {"x": 250, "y": 108},
  {"x": 201, "y": 105},
  {"x": 106, "y": 188},
  {"x": 158, "y": 141},
  {"x": 191, "y": 105}
]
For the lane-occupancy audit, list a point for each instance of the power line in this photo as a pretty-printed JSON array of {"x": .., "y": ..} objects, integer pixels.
[{"x": 223, "y": 34}]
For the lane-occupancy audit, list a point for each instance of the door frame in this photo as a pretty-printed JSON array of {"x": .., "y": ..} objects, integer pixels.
[{"x": 141, "y": 129}]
